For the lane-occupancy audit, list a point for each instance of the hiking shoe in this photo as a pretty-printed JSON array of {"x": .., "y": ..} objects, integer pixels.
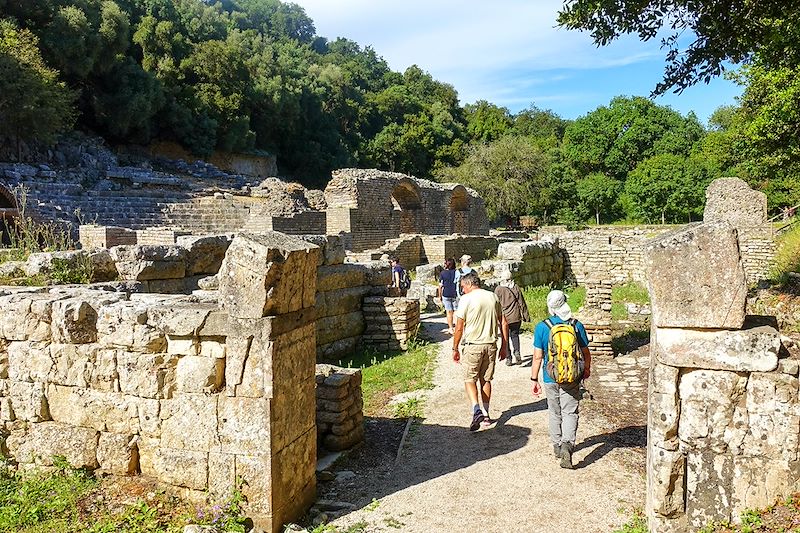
[
  {"x": 477, "y": 418},
  {"x": 487, "y": 423},
  {"x": 509, "y": 361},
  {"x": 566, "y": 456},
  {"x": 557, "y": 451}
]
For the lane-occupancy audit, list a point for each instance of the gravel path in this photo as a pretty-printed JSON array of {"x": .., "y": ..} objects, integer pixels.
[{"x": 504, "y": 479}]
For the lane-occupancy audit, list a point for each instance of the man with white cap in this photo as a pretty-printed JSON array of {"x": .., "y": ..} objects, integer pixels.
[
  {"x": 561, "y": 343},
  {"x": 464, "y": 269}
]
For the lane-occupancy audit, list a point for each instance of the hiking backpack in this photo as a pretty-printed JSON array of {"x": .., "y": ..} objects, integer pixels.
[
  {"x": 405, "y": 280},
  {"x": 565, "y": 362}
]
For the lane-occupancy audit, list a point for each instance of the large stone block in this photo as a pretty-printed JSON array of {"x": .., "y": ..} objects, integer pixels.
[
  {"x": 339, "y": 302},
  {"x": 146, "y": 375},
  {"x": 708, "y": 401},
  {"x": 47, "y": 439},
  {"x": 29, "y": 361},
  {"x": 709, "y": 478},
  {"x": 180, "y": 467},
  {"x": 149, "y": 262},
  {"x": 747, "y": 350},
  {"x": 74, "y": 321},
  {"x": 268, "y": 274},
  {"x": 204, "y": 254},
  {"x": 28, "y": 401},
  {"x": 189, "y": 422},
  {"x": 666, "y": 473},
  {"x": 696, "y": 278},
  {"x": 199, "y": 374},
  {"x": 336, "y": 277},
  {"x": 102, "y": 411},
  {"x": 26, "y": 316},
  {"x": 125, "y": 325},
  {"x": 759, "y": 481},
  {"x": 117, "y": 454},
  {"x": 73, "y": 364},
  {"x": 244, "y": 425},
  {"x": 180, "y": 318},
  {"x": 732, "y": 200},
  {"x": 293, "y": 478},
  {"x": 331, "y": 248}
]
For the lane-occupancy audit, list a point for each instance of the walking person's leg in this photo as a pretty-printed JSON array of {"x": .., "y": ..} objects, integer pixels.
[
  {"x": 513, "y": 334},
  {"x": 569, "y": 399},
  {"x": 554, "y": 415}
]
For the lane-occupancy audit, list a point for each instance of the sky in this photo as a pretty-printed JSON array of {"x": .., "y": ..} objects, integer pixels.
[{"x": 510, "y": 53}]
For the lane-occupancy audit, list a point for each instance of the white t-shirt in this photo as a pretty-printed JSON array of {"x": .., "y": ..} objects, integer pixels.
[{"x": 480, "y": 310}]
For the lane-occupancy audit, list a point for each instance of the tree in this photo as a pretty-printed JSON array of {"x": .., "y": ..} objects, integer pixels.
[
  {"x": 599, "y": 192},
  {"x": 724, "y": 31},
  {"x": 486, "y": 122},
  {"x": 613, "y": 140},
  {"x": 34, "y": 104},
  {"x": 541, "y": 123},
  {"x": 510, "y": 174}
]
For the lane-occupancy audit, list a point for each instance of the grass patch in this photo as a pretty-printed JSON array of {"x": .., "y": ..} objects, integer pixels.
[
  {"x": 536, "y": 298},
  {"x": 70, "y": 500},
  {"x": 782, "y": 517},
  {"x": 787, "y": 256},
  {"x": 637, "y": 524},
  {"x": 387, "y": 374},
  {"x": 631, "y": 292}
]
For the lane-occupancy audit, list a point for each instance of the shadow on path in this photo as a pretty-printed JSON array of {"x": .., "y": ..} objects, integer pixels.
[{"x": 627, "y": 437}]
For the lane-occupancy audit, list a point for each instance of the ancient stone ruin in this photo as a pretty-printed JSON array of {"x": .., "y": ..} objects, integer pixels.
[{"x": 723, "y": 417}]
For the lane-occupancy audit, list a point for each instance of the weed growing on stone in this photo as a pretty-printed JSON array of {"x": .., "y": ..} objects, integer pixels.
[
  {"x": 637, "y": 523},
  {"x": 27, "y": 235},
  {"x": 65, "y": 272}
]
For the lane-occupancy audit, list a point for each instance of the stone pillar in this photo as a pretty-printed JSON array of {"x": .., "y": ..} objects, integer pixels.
[
  {"x": 340, "y": 417},
  {"x": 723, "y": 414},
  {"x": 596, "y": 315},
  {"x": 390, "y": 322},
  {"x": 267, "y": 287}
]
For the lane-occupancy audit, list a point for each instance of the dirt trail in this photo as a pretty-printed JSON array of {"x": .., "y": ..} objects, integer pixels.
[{"x": 504, "y": 479}]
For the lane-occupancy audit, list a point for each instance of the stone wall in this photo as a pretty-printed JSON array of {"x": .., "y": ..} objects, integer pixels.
[
  {"x": 340, "y": 417},
  {"x": 596, "y": 315},
  {"x": 195, "y": 393},
  {"x": 723, "y": 413},
  {"x": 416, "y": 250},
  {"x": 528, "y": 263},
  {"x": 371, "y": 206},
  {"x": 612, "y": 252},
  {"x": 390, "y": 322}
]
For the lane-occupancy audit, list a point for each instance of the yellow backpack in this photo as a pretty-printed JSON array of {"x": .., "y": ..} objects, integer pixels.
[{"x": 565, "y": 362}]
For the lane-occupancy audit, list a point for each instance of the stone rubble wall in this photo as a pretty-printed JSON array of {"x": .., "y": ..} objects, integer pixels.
[
  {"x": 758, "y": 247},
  {"x": 371, "y": 206},
  {"x": 193, "y": 392},
  {"x": 723, "y": 406},
  {"x": 417, "y": 250},
  {"x": 390, "y": 322},
  {"x": 596, "y": 316},
  {"x": 340, "y": 417},
  {"x": 528, "y": 263}
]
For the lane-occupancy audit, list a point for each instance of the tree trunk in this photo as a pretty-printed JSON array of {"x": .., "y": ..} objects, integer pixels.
[
  {"x": 663, "y": 218},
  {"x": 597, "y": 216}
]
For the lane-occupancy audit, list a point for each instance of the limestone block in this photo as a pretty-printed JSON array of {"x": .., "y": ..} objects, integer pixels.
[
  {"x": 339, "y": 302},
  {"x": 146, "y": 375},
  {"x": 338, "y": 348},
  {"x": 42, "y": 262},
  {"x": 179, "y": 467},
  {"x": 336, "y": 277},
  {"x": 244, "y": 425},
  {"x": 189, "y": 422},
  {"x": 73, "y": 364},
  {"x": 184, "y": 318},
  {"x": 709, "y": 478},
  {"x": 379, "y": 274},
  {"x": 293, "y": 477},
  {"x": 333, "y": 328},
  {"x": 102, "y": 411},
  {"x": 732, "y": 200},
  {"x": 759, "y": 481},
  {"x": 28, "y": 401},
  {"x": 182, "y": 345},
  {"x": 149, "y": 262},
  {"x": 293, "y": 412},
  {"x": 256, "y": 473},
  {"x": 429, "y": 273},
  {"x": 204, "y": 254},
  {"x": 337, "y": 443},
  {"x": 46, "y": 439},
  {"x": 213, "y": 348},
  {"x": 125, "y": 325},
  {"x": 12, "y": 269},
  {"x": 29, "y": 361},
  {"x": 708, "y": 398},
  {"x": 104, "y": 374},
  {"x": 747, "y": 350},
  {"x": 772, "y": 417},
  {"x": 103, "y": 266},
  {"x": 199, "y": 374},
  {"x": 331, "y": 248},
  {"x": 696, "y": 278},
  {"x": 148, "y": 413},
  {"x": 221, "y": 475},
  {"x": 662, "y": 422},
  {"x": 6, "y": 410},
  {"x": 74, "y": 321},
  {"x": 117, "y": 454},
  {"x": 215, "y": 325},
  {"x": 26, "y": 316},
  {"x": 268, "y": 274}
]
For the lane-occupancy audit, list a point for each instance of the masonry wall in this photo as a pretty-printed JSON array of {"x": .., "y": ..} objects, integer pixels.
[{"x": 340, "y": 417}]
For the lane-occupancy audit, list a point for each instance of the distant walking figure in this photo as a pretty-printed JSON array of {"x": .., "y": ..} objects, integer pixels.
[
  {"x": 478, "y": 319},
  {"x": 448, "y": 292},
  {"x": 516, "y": 311},
  {"x": 465, "y": 268},
  {"x": 561, "y": 342}
]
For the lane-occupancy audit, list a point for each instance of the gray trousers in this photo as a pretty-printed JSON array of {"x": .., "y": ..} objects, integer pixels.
[
  {"x": 513, "y": 335},
  {"x": 562, "y": 409}
]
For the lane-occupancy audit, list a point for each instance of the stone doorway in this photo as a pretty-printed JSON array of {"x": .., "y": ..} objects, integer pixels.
[
  {"x": 459, "y": 211},
  {"x": 407, "y": 207}
]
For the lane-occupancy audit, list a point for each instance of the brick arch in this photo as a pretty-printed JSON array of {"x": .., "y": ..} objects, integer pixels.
[
  {"x": 459, "y": 210},
  {"x": 407, "y": 206}
]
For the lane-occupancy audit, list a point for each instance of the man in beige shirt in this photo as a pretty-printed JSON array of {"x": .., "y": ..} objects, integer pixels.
[{"x": 478, "y": 319}]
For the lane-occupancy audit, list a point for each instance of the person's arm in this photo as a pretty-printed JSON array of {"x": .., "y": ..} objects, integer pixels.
[
  {"x": 441, "y": 288},
  {"x": 457, "y": 338},
  {"x": 587, "y": 362},
  {"x": 536, "y": 365},
  {"x": 504, "y": 336},
  {"x": 395, "y": 278}
]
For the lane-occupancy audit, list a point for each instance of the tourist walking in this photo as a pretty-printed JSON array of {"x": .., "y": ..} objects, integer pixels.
[
  {"x": 465, "y": 268},
  {"x": 515, "y": 309},
  {"x": 478, "y": 319},
  {"x": 448, "y": 292},
  {"x": 560, "y": 341},
  {"x": 400, "y": 278}
]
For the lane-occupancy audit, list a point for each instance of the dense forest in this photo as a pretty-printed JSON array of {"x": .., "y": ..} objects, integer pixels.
[{"x": 253, "y": 76}]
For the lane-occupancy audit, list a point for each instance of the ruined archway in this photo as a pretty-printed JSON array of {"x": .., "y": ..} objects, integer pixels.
[
  {"x": 459, "y": 210},
  {"x": 407, "y": 207},
  {"x": 8, "y": 213}
]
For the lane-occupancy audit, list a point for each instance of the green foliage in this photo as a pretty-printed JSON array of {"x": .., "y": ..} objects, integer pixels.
[
  {"x": 387, "y": 374},
  {"x": 27, "y": 235},
  {"x": 787, "y": 257},
  {"x": 637, "y": 524},
  {"x": 536, "y": 298},
  {"x": 486, "y": 122},
  {"x": 66, "y": 272},
  {"x": 34, "y": 104},
  {"x": 598, "y": 192},
  {"x": 732, "y": 31},
  {"x": 631, "y": 292},
  {"x": 510, "y": 174}
]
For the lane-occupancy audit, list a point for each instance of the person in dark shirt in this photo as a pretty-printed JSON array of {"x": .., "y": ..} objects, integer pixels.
[{"x": 447, "y": 291}]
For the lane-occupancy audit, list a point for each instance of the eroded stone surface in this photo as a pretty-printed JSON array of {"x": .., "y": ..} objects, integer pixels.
[{"x": 732, "y": 200}]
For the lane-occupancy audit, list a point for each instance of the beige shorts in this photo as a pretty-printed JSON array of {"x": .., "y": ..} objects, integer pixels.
[{"x": 477, "y": 361}]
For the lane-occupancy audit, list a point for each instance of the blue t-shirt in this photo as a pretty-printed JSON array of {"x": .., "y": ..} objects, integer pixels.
[
  {"x": 447, "y": 279},
  {"x": 397, "y": 269},
  {"x": 460, "y": 272},
  {"x": 541, "y": 337}
]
